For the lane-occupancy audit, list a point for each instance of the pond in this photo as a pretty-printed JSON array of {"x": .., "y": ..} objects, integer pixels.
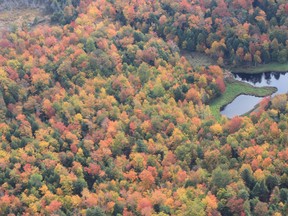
[{"x": 245, "y": 103}]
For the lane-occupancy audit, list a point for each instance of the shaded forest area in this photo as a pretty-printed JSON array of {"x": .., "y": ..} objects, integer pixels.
[{"x": 101, "y": 115}]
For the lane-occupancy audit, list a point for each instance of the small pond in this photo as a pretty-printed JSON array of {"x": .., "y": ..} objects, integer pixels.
[{"x": 245, "y": 103}]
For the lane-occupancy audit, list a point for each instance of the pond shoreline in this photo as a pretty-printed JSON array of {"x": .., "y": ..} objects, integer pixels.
[
  {"x": 233, "y": 90},
  {"x": 243, "y": 104},
  {"x": 263, "y": 68}
]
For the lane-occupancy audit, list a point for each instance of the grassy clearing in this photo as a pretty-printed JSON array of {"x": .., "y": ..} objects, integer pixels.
[
  {"x": 197, "y": 59},
  {"x": 234, "y": 89},
  {"x": 272, "y": 67}
]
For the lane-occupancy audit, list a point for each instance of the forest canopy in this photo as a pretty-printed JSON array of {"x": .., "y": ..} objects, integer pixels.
[{"x": 101, "y": 115}]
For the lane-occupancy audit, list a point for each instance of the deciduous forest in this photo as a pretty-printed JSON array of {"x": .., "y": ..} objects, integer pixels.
[{"x": 100, "y": 114}]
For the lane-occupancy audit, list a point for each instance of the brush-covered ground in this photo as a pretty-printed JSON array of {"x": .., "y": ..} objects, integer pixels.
[{"x": 18, "y": 18}]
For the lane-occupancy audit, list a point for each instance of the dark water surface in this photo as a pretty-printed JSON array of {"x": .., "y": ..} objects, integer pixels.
[{"x": 245, "y": 103}]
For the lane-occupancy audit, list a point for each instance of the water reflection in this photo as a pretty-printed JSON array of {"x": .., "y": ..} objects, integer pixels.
[
  {"x": 244, "y": 103},
  {"x": 262, "y": 79},
  {"x": 240, "y": 105}
]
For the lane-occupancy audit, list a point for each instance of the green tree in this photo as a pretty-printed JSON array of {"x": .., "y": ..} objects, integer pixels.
[
  {"x": 271, "y": 182},
  {"x": 157, "y": 91},
  {"x": 144, "y": 72},
  {"x": 140, "y": 146},
  {"x": 248, "y": 178},
  {"x": 95, "y": 211},
  {"x": 90, "y": 45},
  {"x": 261, "y": 191},
  {"x": 35, "y": 180},
  {"x": 220, "y": 178},
  {"x": 284, "y": 195},
  {"x": 282, "y": 56},
  {"x": 195, "y": 208},
  {"x": 78, "y": 186}
]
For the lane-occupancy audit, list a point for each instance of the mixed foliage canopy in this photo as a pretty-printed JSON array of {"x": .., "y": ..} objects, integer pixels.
[{"x": 102, "y": 116}]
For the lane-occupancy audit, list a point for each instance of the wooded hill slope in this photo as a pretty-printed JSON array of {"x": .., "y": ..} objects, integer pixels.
[{"x": 102, "y": 116}]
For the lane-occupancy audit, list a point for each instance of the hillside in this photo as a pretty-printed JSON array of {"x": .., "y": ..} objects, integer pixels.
[
  {"x": 13, "y": 4},
  {"x": 21, "y": 18},
  {"x": 102, "y": 114}
]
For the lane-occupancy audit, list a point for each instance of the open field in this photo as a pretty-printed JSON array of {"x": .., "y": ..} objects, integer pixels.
[
  {"x": 272, "y": 67},
  {"x": 234, "y": 89}
]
